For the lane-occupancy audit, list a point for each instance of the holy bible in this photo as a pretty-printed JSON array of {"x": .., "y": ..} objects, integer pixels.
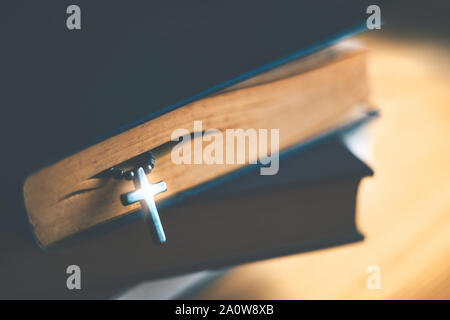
[
  {"x": 80, "y": 105},
  {"x": 323, "y": 91}
]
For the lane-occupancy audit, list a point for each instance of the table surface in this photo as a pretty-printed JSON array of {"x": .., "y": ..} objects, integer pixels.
[{"x": 404, "y": 210}]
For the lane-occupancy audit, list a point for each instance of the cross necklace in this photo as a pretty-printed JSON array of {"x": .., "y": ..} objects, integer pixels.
[{"x": 145, "y": 193}]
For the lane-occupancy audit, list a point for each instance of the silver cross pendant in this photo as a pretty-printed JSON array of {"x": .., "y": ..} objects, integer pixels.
[{"x": 145, "y": 193}]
